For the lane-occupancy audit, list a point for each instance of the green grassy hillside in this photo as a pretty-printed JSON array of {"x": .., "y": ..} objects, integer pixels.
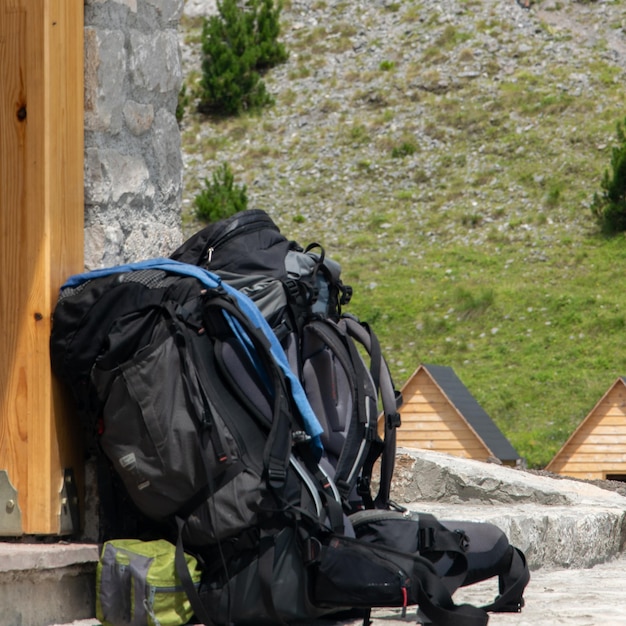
[{"x": 446, "y": 154}]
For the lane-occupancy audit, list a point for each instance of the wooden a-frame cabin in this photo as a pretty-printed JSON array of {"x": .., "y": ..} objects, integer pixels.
[
  {"x": 440, "y": 414},
  {"x": 597, "y": 448}
]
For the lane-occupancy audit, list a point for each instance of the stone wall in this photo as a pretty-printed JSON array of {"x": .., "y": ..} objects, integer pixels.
[{"x": 133, "y": 161}]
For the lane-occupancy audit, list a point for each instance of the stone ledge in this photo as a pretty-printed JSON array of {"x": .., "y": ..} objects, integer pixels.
[
  {"x": 43, "y": 584},
  {"x": 551, "y": 537},
  {"x": 436, "y": 477},
  {"x": 37, "y": 557}
]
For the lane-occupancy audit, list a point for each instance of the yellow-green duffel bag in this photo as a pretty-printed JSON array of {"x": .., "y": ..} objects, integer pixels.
[{"x": 137, "y": 584}]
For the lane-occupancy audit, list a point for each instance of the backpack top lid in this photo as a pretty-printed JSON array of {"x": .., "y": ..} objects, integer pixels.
[
  {"x": 248, "y": 242},
  {"x": 248, "y": 308},
  {"x": 248, "y": 247}
]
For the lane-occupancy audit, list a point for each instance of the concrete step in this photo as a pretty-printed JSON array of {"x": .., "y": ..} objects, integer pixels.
[
  {"x": 567, "y": 597},
  {"x": 557, "y": 522},
  {"x": 46, "y": 583}
]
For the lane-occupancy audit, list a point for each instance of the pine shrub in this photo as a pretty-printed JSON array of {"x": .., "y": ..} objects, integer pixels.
[
  {"x": 237, "y": 44},
  {"x": 609, "y": 206},
  {"x": 220, "y": 197},
  {"x": 270, "y": 51}
]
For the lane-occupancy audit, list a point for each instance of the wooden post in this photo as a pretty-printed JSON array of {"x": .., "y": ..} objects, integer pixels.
[{"x": 41, "y": 244}]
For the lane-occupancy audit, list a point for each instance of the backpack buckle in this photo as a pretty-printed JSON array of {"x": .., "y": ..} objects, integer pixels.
[
  {"x": 312, "y": 551},
  {"x": 393, "y": 420},
  {"x": 346, "y": 294},
  {"x": 363, "y": 486},
  {"x": 276, "y": 477},
  {"x": 300, "y": 436},
  {"x": 426, "y": 539},
  {"x": 464, "y": 541}
]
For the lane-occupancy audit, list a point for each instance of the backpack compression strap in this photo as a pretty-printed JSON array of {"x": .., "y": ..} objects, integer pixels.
[
  {"x": 511, "y": 585},
  {"x": 182, "y": 569}
]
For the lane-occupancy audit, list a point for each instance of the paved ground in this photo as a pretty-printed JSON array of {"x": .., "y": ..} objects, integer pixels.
[{"x": 587, "y": 597}]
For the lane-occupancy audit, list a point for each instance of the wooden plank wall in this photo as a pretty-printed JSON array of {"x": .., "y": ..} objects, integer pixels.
[
  {"x": 429, "y": 421},
  {"x": 41, "y": 230},
  {"x": 598, "y": 447}
]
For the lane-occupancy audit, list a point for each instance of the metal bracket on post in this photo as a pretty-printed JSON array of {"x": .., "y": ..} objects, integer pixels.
[
  {"x": 10, "y": 514},
  {"x": 69, "y": 518}
]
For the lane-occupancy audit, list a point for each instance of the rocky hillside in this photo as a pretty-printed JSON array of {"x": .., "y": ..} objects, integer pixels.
[
  {"x": 446, "y": 152},
  {"x": 460, "y": 84}
]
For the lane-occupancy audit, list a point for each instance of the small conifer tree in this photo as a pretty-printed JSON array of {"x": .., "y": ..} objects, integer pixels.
[
  {"x": 229, "y": 81},
  {"x": 270, "y": 51},
  {"x": 220, "y": 197},
  {"x": 237, "y": 43},
  {"x": 609, "y": 206}
]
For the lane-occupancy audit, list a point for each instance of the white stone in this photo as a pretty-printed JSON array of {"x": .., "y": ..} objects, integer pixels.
[
  {"x": 168, "y": 9},
  {"x": 197, "y": 8},
  {"x": 111, "y": 69}
]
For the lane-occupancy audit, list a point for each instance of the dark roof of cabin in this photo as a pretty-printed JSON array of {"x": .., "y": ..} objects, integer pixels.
[{"x": 473, "y": 413}]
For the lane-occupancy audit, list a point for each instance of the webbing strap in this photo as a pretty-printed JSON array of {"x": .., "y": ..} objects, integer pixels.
[
  {"x": 512, "y": 585},
  {"x": 182, "y": 570},
  {"x": 266, "y": 574},
  {"x": 435, "y": 539},
  {"x": 435, "y": 602}
]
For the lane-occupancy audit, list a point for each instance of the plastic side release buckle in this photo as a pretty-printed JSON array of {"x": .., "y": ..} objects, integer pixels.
[
  {"x": 464, "y": 541},
  {"x": 276, "y": 475},
  {"x": 393, "y": 420},
  {"x": 363, "y": 487},
  {"x": 312, "y": 551}
]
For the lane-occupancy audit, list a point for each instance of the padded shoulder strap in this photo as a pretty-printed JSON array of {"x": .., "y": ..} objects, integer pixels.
[
  {"x": 391, "y": 401},
  {"x": 356, "y": 446}
]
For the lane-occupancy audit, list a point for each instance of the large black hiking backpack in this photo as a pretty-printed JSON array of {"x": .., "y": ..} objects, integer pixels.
[
  {"x": 194, "y": 405},
  {"x": 197, "y": 410},
  {"x": 301, "y": 295}
]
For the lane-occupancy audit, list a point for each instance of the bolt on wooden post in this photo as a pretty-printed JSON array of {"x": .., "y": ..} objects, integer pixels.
[{"x": 41, "y": 243}]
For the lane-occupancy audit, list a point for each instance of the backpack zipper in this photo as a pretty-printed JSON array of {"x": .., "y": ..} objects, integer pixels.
[
  {"x": 229, "y": 234},
  {"x": 148, "y": 602}
]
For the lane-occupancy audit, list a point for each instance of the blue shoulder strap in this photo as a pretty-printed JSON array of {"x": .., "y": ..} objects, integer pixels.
[{"x": 212, "y": 281}]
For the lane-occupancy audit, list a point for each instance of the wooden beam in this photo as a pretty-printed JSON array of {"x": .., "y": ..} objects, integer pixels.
[{"x": 41, "y": 241}]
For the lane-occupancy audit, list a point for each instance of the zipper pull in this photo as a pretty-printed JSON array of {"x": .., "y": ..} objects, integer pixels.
[
  {"x": 209, "y": 255},
  {"x": 405, "y": 598}
]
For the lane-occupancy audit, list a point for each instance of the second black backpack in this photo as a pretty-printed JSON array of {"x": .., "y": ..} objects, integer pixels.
[{"x": 300, "y": 293}]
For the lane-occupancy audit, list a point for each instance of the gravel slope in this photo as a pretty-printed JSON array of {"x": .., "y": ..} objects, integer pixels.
[{"x": 322, "y": 152}]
